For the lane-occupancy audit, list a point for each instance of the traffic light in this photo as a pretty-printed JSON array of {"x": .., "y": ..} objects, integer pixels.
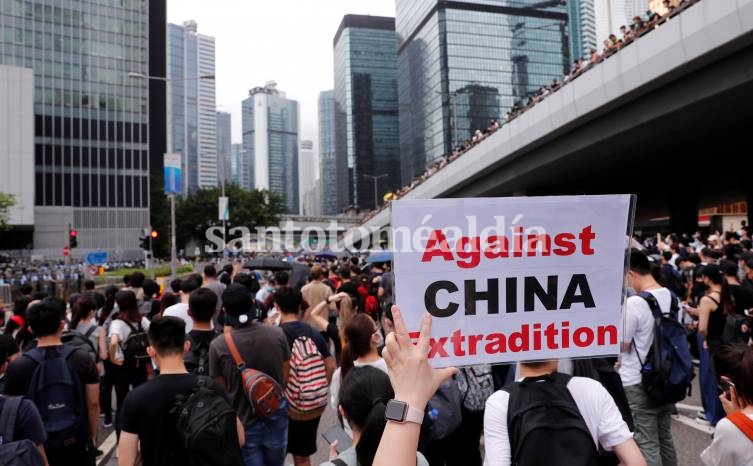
[
  {"x": 72, "y": 238},
  {"x": 154, "y": 234},
  {"x": 144, "y": 242}
]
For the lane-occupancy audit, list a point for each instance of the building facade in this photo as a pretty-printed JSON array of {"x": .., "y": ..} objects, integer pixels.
[
  {"x": 309, "y": 181},
  {"x": 239, "y": 167},
  {"x": 448, "y": 49},
  {"x": 366, "y": 116},
  {"x": 327, "y": 171},
  {"x": 224, "y": 147},
  {"x": 611, "y": 14},
  {"x": 92, "y": 121},
  {"x": 582, "y": 32},
  {"x": 192, "y": 114},
  {"x": 270, "y": 141}
]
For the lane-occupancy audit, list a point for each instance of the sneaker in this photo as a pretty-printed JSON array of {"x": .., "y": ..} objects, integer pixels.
[
  {"x": 98, "y": 453},
  {"x": 107, "y": 424},
  {"x": 701, "y": 416}
]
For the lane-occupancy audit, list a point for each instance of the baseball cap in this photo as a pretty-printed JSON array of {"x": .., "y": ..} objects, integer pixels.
[{"x": 238, "y": 305}]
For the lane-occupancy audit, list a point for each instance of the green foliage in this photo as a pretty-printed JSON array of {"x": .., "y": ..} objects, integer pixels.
[
  {"x": 251, "y": 209},
  {"x": 161, "y": 271},
  {"x": 6, "y": 202}
]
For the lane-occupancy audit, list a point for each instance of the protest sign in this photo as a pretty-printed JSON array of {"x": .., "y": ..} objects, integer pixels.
[{"x": 511, "y": 279}]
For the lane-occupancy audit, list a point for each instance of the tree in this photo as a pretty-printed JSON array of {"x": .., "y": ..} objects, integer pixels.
[
  {"x": 198, "y": 211},
  {"x": 6, "y": 202}
]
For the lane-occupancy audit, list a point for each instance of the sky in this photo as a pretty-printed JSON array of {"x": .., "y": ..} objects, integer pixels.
[{"x": 288, "y": 41}]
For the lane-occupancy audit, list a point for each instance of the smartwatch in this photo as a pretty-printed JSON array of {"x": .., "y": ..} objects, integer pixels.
[{"x": 400, "y": 412}]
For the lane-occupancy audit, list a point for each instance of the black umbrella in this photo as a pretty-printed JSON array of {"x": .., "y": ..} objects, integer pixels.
[{"x": 267, "y": 263}]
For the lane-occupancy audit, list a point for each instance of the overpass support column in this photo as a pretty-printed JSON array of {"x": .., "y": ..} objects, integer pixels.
[{"x": 683, "y": 211}]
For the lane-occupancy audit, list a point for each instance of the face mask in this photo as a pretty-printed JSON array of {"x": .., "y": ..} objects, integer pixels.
[{"x": 379, "y": 338}]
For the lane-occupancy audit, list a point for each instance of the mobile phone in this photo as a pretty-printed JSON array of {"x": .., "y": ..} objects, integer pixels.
[
  {"x": 337, "y": 433},
  {"x": 725, "y": 385}
]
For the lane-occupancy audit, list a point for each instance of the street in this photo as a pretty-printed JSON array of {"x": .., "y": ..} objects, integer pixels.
[{"x": 691, "y": 436}]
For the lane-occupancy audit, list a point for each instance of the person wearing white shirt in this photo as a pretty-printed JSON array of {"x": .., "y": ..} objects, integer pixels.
[
  {"x": 653, "y": 423},
  {"x": 187, "y": 286},
  {"x": 595, "y": 404}
]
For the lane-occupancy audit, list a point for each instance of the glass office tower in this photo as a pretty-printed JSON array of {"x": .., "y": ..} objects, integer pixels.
[
  {"x": 366, "y": 116},
  {"x": 224, "y": 150},
  {"x": 460, "y": 64},
  {"x": 327, "y": 172},
  {"x": 270, "y": 142},
  {"x": 92, "y": 121}
]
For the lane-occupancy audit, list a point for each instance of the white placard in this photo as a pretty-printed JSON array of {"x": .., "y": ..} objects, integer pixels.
[{"x": 513, "y": 279}]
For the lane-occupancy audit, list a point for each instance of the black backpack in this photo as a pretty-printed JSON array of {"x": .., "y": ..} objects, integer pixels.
[
  {"x": 197, "y": 358},
  {"x": 15, "y": 452},
  {"x": 207, "y": 426},
  {"x": 545, "y": 426},
  {"x": 134, "y": 347},
  {"x": 82, "y": 341}
]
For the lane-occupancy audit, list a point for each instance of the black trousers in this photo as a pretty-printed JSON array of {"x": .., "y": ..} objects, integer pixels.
[{"x": 125, "y": 377}]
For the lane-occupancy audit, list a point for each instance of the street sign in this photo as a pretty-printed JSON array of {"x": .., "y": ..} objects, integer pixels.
[
  {"x": 224, "y": 210},
  {"x": 97, "y": 258},
  {"x": 173, "y": 174},
  {"x": 66, "y": 251}
]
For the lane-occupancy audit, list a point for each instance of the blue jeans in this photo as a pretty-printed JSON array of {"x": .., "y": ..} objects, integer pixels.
[
  {"x": 266, "y": 443},
  {"x": 707, "y": 381}
]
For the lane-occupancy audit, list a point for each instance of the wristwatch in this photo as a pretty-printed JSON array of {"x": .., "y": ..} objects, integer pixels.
[{"x": 401, "y": 412}]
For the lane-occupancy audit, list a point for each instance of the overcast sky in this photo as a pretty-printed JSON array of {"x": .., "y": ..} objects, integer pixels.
[{"x": 288, "y": 41}]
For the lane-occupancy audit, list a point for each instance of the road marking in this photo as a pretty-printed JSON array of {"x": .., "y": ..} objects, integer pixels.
[
  {"x": 688, "y": 407},
  {"x": 691, "y": 423},
  {"x": 107, "y": 446}
]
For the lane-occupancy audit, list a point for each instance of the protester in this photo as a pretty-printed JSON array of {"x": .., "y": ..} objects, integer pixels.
[
  {"x": 211, "y": 282},
  {"x": 187, "y": 286},
  {"x": 82, "y": 321},
  {"x": 363, "y": 398},
  {"x": 653, "y": 431},
  {"x": 201, "y": 308},
  {"x": 150, "y": 428},
  {"x": 40, "y": 376},
  {"x": 314, "y": 293},
  {"x": 363, "y": 340},
  {"x": 261, "y": 347},
  {"x": 127, "y": 350},
  {"x": 151, "y": 305},
  {"x": 733, "y": 436},
  {"x": 9, "y": 351},
  {"x": 311, "y": 368}
]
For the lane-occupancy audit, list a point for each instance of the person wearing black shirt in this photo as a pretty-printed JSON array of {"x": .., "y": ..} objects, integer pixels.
[
  {"x": 149, "y": 428},
  {"x": 201, "y": 309},
  {"x": 45, "y": 320}
]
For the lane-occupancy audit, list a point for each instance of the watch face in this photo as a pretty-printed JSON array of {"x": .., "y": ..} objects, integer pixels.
[{"x": 396, "y": 411}]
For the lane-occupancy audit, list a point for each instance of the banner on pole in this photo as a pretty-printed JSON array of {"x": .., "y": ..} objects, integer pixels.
[
  {"x": 173, "y": 174},
  {"x": 513, "y": 279},
  {"x": 224, "y": 210}
]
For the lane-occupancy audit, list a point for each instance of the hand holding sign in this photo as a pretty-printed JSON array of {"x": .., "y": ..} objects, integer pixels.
[{"x": 413, "y": 379}]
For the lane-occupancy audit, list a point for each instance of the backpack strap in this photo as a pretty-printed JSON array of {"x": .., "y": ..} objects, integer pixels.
[
  {"x": 739, "y": 419},
  {"x": 11, "y": 405},
  {"x": 653, "y": 304},
  {"x": 234, "y": 351},
  {"x": 91, "y": 330},
  {"x": 338, "y": 462}
]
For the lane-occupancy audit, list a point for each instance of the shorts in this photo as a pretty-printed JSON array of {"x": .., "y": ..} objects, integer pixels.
[{"x": 302, "y": 437}]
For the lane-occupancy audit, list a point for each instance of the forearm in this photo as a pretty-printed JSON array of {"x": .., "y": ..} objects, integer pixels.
[{"x": 399, "y": 445}]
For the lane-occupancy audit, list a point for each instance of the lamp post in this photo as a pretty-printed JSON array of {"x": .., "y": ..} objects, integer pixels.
[
  {"x": 375, "y": 178},
  {"x": 173, "y": 247}
]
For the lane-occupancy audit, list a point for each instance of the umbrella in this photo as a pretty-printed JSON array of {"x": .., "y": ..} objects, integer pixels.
[
  {"x": 299, "y": 275},
  {"x": 267, "y": 263},
  {"x": 379, "y": 257},
  {"x": 329, "y": 254}
]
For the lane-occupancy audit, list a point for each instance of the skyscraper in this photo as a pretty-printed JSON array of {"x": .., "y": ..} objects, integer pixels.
[
  {"x": 513, "y": 46},
  {"x": 192, "y": 114},
  {"x": 327, "y": 172},
  {"x": 241, "y": 173},
  {"x": 270, "y": 140},
  {"x": 94, "y": 123},
  {"x": 224, "y": 150},
  {"x": 366, "y": 119},
  {"x": 582, "y": 27},
  {"x": 309, "y": 181}
]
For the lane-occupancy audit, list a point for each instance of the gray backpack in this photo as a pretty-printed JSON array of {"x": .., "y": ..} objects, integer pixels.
[{"x": 476, "y": 385}]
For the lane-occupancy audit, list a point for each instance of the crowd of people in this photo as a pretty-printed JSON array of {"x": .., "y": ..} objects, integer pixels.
[
  {"x": 234, "y": 367},
  {"x": 639, "y": 26}
]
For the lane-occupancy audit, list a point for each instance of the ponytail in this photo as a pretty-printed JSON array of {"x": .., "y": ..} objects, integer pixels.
[
  {"x": 346, "y": 361},
  {"x": 371, "y": 433},
  {"x": 727, "y": 300}
]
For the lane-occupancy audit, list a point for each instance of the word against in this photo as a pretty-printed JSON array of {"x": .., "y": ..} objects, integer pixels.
[{"x": 549, "y": 285}]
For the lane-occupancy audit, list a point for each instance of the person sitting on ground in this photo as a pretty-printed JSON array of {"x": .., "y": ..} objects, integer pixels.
[
  {"x": 363, "y": 398},
  {"x": 732, "y": 445}
]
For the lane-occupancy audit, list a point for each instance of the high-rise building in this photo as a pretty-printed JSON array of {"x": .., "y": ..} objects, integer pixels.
[
  {"x": 308, "y": 167},
  {"x": 224, "y": 150},
  {"x": 241, "y": 173},
  {"x": 94, "y": 115},
  {"x": 192, "y": 113},
  {"x": 513, "y": 46},
  {"x": 270, "y": 140},
  {"x": 327, "y": 172},
  {"x": 366, "y": 119},
  {"x": 582, "y": 32}
]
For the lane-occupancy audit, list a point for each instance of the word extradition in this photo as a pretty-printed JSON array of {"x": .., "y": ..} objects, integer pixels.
[{"x": 530, "y": 337}]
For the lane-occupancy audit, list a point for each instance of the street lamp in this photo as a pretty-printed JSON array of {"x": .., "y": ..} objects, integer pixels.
[
  {"x": 173, "y": 247},
  {"x": 375, "y": 178}
]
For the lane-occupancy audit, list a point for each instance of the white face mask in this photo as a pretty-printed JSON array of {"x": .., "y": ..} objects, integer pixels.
[{"x": 379, "y": 338}]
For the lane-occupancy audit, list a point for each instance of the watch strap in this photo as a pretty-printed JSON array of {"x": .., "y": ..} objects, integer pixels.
[{"x": 414, "y": 415}]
